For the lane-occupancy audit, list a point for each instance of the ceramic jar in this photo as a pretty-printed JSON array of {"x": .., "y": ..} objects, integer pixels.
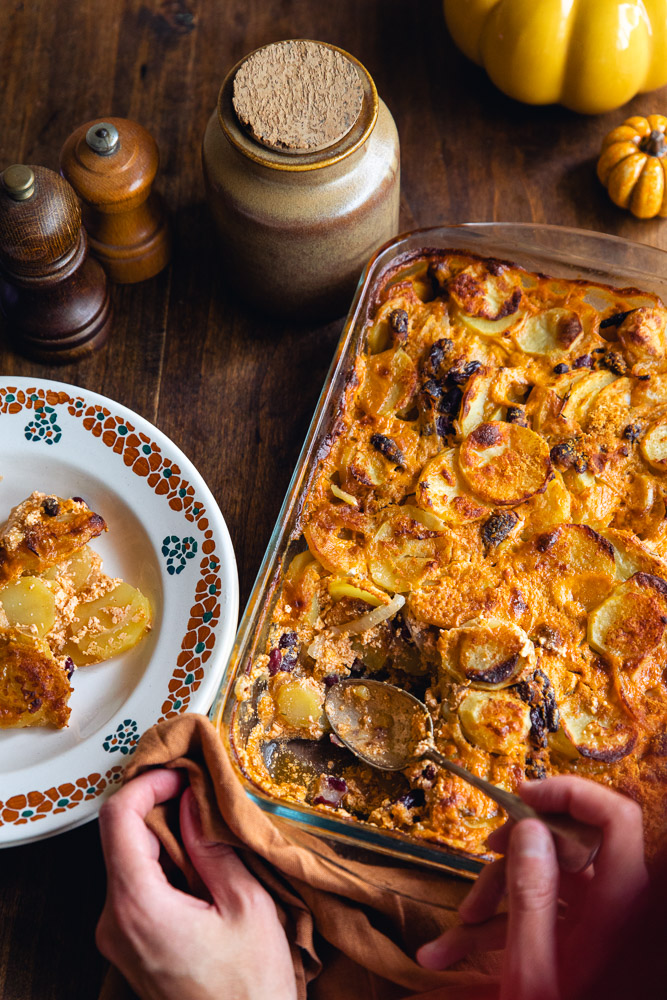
[{"x": 297, "y": 228}]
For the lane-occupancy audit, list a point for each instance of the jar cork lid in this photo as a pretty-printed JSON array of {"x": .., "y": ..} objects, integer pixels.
[{"x": 297, "y": 96}]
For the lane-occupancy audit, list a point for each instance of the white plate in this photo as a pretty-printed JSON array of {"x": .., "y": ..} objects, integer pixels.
[{"x": 166, "y": 536}]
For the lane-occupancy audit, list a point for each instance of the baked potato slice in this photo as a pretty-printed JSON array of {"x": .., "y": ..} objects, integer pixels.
[
  {"x": 383, "y": 456},
  {"x": 580, "y": 564},
  {"x": 44, "y": 530},
  {"x": 361, "y": 465},
  {"x": 643, "y": 336},
  {"x": 34, "y": 685},
  {"x": 497, "y": 721},
  {"x": 546, "y": 402},
  {"x": 654, "y": 445},
  {"x": 576, "y": 548},
  {"x": 610, "y": 408},
  {"x": 476, "y": 405},
  {"x": 441, "y": 491},
  {"x": 336, "y": 538},
  {"x": 508, "y": 386},
  {"x": 650, "y": 393},
  {"x": 546, "y": 510},
  {"x": 107, "y": 626},
  {"x": 390, "y": 383},
  {"x": 300, "y": 704},
  {"x": 302, "y": 582},
  {"x": 80, "y": 570},
  {"x": 487, "y": 396},
  {"x": 491, "y": 327},
  {"x": 597, "y": 733},
  {"x": 29, "y": 605},
  {"x": 552, "y": 331},
  {"x": 482, "y": 293},
  {"x": 505, "y": 463},
  {"x": 405, "y": 548},
  {"x": 491, "y": 653},
  {"x": 583, "y": 395},
  {"x": 630, "y": 624},
  {"x": 632, "y": 556}
]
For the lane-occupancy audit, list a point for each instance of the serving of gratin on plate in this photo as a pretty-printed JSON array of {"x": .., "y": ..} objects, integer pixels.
[
  {"x": 483, "y": 524},
  {"x": 58, "y": 609}
]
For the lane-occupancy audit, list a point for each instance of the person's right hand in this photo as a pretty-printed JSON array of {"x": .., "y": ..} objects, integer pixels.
[{"x": 551, "y": 954}]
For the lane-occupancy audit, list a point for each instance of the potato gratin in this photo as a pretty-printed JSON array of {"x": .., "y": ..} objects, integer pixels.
[
  {"x": 58, "y": 610},
  {"x": 487, "y": 529}
]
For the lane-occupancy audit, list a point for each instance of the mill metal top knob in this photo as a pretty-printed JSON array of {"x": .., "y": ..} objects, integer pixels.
[
  {"x": 103, "y": 138},
  {"x": 111, "y": 163},
  {"x": 19, "y": 182}
]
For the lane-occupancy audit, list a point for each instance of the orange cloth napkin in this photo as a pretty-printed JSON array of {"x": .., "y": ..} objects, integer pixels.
[{"x": 353, "y": 927}]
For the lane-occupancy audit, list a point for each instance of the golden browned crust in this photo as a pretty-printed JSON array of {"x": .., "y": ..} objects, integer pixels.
[
  {"x": 34, "y": 686},
  {"x": 42, "y": 531},
  {"x": 500, "y": 461}
]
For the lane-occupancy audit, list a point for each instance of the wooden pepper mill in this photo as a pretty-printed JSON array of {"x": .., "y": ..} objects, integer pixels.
[
  {"x": 112, "y": 165},
  {"x": 54, "y": 297}
]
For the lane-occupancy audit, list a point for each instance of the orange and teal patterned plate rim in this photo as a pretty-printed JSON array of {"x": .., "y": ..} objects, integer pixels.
[{"x": 194, "y": 553}]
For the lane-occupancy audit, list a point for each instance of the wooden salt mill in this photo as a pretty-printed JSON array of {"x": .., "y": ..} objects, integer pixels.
[
  {"x": 54, "y": 297},
  {"x": 112, "y": 165}
]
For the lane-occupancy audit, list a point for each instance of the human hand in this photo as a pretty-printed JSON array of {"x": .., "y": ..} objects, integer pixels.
[
  {"x": 169, "y": 944},
  {"x": 551, "y": 951}
]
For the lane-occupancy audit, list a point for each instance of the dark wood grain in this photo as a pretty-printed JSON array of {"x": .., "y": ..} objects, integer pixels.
[
  {"x": 40, "y": 233},
  {"x": 236, "y": 391}
]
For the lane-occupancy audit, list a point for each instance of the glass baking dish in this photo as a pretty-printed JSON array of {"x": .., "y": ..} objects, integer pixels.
[{"x": 552, "y": 250}]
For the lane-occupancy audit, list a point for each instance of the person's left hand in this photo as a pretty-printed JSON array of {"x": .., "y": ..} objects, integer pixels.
[{"x": 169, "y": 944}]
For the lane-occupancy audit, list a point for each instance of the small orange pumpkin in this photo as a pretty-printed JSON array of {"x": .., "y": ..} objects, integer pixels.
[{"x": 632, "y": 165}]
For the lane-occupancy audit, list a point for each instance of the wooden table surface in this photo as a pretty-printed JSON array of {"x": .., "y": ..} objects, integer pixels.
[{"x": 236, "y": 391}]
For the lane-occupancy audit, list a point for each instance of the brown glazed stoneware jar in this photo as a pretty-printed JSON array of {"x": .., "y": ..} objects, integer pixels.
[{"x": 296, "y": 227}]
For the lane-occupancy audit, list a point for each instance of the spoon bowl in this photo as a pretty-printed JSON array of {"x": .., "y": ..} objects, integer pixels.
[{"x": 382, "y": 724}]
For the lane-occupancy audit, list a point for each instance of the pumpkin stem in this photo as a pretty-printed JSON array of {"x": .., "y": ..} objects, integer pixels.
[{"x": 654, "y": 144}]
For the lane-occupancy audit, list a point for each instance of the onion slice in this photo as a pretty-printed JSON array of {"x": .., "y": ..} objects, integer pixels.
[
  {"x": 342, "y": 495},
  {"x": 357, "y": 625}
]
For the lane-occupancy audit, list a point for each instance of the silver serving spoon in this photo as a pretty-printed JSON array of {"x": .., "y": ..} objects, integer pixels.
[{"x": 388, "y": 728}]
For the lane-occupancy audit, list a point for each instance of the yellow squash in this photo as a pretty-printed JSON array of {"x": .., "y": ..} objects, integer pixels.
[
  {"x": 632, "y": 165},
  {"x": 590, "y": 55}
]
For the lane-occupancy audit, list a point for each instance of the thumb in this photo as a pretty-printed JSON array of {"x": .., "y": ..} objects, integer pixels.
[
  {"x": 530, "y": 964},
  {"x": 217, "y": 864}
]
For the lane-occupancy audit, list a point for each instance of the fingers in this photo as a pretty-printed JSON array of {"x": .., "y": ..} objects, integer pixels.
[
  {"x": 621, "y": 856},
  {"x": 500, "y": 838},
  {"x": 571, "y": 889},
  {"x": 229, "y": 882},
  {"x": 130, "y": 849},
  {"x": 529, "y": 968},
  {"x": 136, "y": 883},
  {"x": 486, "y": 894},
  {"x": 463, "y": 940},
  {"x": 528, "y": 934}
]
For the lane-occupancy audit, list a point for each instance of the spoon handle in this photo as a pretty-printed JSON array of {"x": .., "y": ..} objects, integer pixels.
[{"x": 576, "y": 843}]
